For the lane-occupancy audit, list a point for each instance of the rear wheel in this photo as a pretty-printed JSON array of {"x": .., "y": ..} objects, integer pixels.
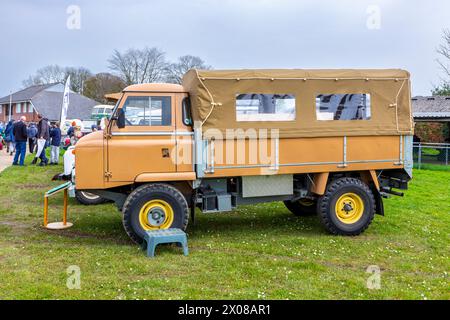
[
  {"x": 302, "y": 207},
  {"x": 347, "y": 207},
  {"x": 153, "y": 207},
  {"x": 88, "y": 198}
]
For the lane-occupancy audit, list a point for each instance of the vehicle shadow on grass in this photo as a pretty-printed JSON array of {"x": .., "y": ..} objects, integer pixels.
[
  {"x": 268, "y": 220},
  {"x": 234, "y": 223}
]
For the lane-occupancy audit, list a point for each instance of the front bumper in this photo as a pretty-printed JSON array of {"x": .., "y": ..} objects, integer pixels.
[
  {"x": 69, "y": 171},
  {"x": 62, "y": 177}
]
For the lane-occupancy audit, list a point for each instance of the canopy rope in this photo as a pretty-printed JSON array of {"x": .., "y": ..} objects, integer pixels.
[
  {"x": 213, "y": 103},
  {"x": 396, "y": 105}
]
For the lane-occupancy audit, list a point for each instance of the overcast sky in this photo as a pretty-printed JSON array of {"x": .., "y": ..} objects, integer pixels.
[{"x": 227, "y": 34}]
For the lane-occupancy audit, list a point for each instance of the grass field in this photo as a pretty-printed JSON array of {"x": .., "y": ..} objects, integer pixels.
[
  {"x": 258, "y": 252},
  {"x": 434, "y": 167}
]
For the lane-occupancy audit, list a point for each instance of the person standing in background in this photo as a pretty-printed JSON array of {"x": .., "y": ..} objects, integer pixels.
[
  {"x": 20, "y": 137},
  {"x": 55, "y": 135},
  {"x": 9, "y": 137},
  {"x": 77, "y": 135},
  {"x": 2, "y": 135},
  {"x": 43, "y": 135},
  {"x": 71, "y": 130},
  {"x": 32, "y": 136}
]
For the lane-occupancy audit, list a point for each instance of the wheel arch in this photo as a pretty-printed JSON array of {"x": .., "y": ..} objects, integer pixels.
[
  {"x": 185, "y": 187},
  {"x": 323, "y": 179}
]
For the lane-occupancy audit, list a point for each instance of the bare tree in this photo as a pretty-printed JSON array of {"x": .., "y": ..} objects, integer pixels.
[
  {"x": 46, "y": 75},
  {"x": 57, "y": 74},
  {"x": 103, "y": 83},
  {"x": 77, "y": 78},
  {"x": 444, "y": 51},
  {"x": 139, "y": 65},
  {"x": 444, "y": 62},
  {"x": 175, "y": 71}
]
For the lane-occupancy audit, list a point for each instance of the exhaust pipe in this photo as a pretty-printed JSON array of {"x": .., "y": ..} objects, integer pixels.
[{"x": 393, "y": 192}]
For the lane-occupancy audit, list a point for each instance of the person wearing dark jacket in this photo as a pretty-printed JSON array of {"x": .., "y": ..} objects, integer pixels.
[
  {"x": 32, "y": 136},
  {"x": 9, "y": 137},
  {"x": 43, "y": 135},
  {"x": 20, "y": 137},
  {"x": 55, "y": 135}
]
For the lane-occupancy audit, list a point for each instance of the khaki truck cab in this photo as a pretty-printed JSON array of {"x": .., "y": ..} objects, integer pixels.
[{"x": 327, "y": 142}]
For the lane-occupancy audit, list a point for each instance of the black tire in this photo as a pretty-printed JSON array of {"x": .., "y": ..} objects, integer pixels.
[
  {"x": 88, "y": 199},
  {"x": 302, "y": 207},
  {"x": 339, "y": 189},
  {"x": 142, "y": 196}
]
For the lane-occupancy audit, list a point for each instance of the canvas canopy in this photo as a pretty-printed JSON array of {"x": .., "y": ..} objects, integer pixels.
[{"x": 228, "y": 99}]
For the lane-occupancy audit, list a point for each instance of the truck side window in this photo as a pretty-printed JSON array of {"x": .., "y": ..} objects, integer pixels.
[
  {"x": 265, "y": 107},
  {"x": 148, "y": 111},
  {"x": 351, "y": 106},
  {"x": 186, "y": 105}
]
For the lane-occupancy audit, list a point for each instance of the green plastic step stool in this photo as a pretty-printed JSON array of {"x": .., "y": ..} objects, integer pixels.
[{"x": 173, "y": 235}]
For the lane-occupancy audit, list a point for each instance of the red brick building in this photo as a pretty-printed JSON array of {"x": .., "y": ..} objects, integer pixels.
[
  {"x": 18, "y": 109},
  {"x": 432, "y": 115}
]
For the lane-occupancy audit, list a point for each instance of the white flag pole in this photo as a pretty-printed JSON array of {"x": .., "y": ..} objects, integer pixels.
[{"x": 10, "y": 106}]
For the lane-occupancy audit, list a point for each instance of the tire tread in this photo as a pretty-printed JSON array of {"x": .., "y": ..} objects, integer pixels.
[
  {"x": 146, "y": 189},
  {"x": 324, "y": 201}
]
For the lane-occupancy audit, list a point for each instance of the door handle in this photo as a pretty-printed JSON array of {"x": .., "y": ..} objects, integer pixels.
[{"x": 165, "y": 152}]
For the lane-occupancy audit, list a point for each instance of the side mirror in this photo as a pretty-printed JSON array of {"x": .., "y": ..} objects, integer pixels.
[{"x": 121, "y": 119}]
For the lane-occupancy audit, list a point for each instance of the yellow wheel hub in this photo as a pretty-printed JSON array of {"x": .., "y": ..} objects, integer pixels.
[
  {"x": 349, "y": 208},
  {"x": 156, "y": 214}
]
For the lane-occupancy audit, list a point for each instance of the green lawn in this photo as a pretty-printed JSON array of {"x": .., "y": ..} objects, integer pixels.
[
  {"x": 258, "y": 252},
  {"x": 434, "y": 167}
]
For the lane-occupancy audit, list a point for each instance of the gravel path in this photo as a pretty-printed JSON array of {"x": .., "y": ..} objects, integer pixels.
[{"x": 5, "y": 159}]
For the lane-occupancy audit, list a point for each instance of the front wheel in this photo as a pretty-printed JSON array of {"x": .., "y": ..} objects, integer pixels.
[
  {"x": 347, "y": 207},
  {"x": 153, "y": 207}
]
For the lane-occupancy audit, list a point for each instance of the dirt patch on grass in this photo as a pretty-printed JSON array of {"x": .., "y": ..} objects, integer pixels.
[
  {"x": 31, "y": 186},
  {"x": 73, "y": 234},
  {"x": 18, "y": 228}
]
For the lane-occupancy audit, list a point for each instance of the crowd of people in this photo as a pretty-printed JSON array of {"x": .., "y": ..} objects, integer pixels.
[{"x": 15, "y": 135}]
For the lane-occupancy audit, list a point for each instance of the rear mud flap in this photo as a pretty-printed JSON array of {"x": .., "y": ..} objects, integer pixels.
[{"x": 379, "y": 206}]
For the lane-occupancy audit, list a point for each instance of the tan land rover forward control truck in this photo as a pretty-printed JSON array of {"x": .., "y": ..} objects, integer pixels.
[{"x": 331, "y": 142}]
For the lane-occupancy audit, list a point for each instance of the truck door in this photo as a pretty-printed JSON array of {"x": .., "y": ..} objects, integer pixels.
[
  {"x": 148, "y": 139},
  {"x": 184, "y": 136}
]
